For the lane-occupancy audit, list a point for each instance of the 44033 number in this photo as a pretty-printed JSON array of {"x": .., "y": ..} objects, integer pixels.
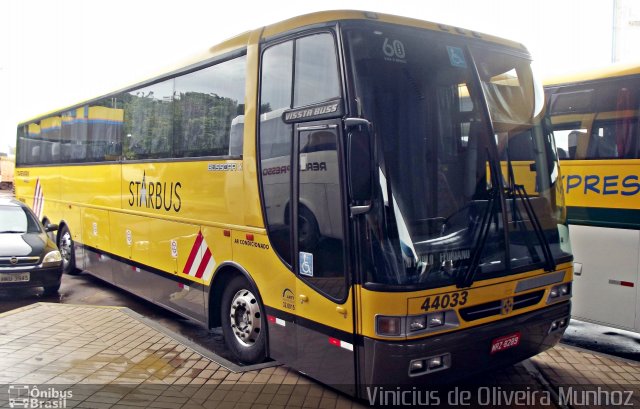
[{"x": 438, "y": 302}]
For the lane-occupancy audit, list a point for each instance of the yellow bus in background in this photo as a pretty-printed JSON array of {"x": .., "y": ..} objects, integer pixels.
[
  {"x": 337, "y": 191},
  {"x": 595, "y": 117}
]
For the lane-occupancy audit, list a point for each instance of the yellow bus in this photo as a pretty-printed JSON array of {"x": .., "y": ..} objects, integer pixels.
[
  {"x": 335, "y": 190},
  {"x": 595, "y": 117}
]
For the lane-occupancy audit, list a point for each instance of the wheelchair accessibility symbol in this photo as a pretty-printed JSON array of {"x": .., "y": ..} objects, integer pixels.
[
  {"x": 456, "y": 57},
  {"x": 306, "y": 264}
]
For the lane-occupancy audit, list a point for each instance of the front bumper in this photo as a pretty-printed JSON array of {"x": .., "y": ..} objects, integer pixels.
[
  {"x": 386, "y": 363},
  {"x": 38, "y": 277}
]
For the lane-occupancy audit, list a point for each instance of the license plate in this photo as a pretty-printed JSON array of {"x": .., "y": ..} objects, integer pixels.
[
  {"x": 14, "y": 277},
  {"x": 506, "y": 342}
]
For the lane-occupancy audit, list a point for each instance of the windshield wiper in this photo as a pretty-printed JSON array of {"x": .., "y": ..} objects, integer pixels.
[
  {"x": 550, "y": 262},
  {"x": 466, "y": 279},
  {"x": 519, "y": 191}
]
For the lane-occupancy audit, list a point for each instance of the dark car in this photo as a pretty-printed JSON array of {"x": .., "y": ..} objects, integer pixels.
[{"x": 28, "y": 257}]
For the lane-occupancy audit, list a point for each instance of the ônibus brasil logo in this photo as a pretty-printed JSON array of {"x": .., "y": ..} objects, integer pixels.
[{"x": 32, "y": 397}]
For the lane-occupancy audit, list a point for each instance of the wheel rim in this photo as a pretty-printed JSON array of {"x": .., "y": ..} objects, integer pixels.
[
  {"x": 245, "y": 317},
  {"x": 65, "y": 249}
]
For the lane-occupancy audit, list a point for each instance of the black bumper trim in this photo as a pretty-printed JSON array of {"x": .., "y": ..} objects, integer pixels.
[{"x": 385, "y": 363}]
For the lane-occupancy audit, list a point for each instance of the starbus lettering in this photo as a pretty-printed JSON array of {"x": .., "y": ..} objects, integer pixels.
[
  {"x": 155, "y": 195},
  {"x": 603, "y": 185}
]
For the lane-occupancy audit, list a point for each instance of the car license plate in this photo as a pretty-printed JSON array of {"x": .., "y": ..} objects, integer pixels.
[
  {"x": 506, "y": 342},
  {"x": 14, "y": 277}
]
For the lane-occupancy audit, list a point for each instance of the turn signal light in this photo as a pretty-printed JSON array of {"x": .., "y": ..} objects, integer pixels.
[{"x": 389, "y": 326}]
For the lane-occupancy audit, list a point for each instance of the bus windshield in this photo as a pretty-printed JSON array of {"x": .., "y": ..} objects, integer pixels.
[{"x": 467, "y": 175}]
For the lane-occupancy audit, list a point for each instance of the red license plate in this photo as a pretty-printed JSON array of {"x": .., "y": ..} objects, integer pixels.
[{"x": 506, "y": 342}]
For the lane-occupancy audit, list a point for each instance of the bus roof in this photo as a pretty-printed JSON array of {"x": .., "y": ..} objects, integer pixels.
[
  {"x": 610, "y": 71},
  {"x": 241, "y": 41}
]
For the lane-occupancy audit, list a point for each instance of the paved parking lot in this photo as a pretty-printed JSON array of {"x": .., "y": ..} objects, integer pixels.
[{"x": 103, "y": 357}]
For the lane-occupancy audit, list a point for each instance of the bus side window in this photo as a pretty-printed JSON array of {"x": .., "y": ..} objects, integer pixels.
[
  {"x": 602, "y": 144},
  {"x": 209, "y": 110},
  {"x": 149, "y": 121},
  {"x": 316, "y": 73},
  {"x": 571, "y": 143}
]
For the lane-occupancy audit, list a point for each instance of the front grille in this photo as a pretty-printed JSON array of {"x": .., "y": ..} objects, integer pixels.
[
  {"x": 527, "y": 300},
  {"x": 18, "y": 261},
  {"x": 493, "y": 308},
  {"x": 480, "y": 311}
]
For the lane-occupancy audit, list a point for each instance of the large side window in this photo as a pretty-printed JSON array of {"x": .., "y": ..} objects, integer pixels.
[
  {"x": 29, "y": 144},
  {"x": 276, "y": 144},
  {"x": 615, "y": 129},
  {"x": 73, "y": 142},
  {"x": 209, "y": 110},
  {"x": 49, "y": 146},
  {"x": 598, "y": 120},
  {"x": 149, "y": 122},
  {"x": 104, "y": 122}
]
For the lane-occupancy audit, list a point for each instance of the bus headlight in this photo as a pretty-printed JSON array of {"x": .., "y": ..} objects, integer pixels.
[
  {"x": 417, "y": 323},
  {"x": 559, "y": 292},
  {"x": 436, "y": 319},
  {"x": 394, "y": 326}
]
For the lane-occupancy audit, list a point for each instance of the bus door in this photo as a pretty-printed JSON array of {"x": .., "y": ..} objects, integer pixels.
[{"x": 325, "y": 323}]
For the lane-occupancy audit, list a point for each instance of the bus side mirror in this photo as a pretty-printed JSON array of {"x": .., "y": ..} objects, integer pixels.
[{"x": 359, "y": 159}]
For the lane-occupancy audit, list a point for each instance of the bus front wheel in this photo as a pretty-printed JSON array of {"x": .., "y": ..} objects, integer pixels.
[
  {"x": 243, "y": 321},
  {"x": 67, "y": 251}
]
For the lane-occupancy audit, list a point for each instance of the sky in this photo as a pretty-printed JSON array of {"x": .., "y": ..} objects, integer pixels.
[{"x": 57, "y": 53}]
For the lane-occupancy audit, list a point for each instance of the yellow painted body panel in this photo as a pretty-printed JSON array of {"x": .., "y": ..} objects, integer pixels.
[
  {"x": 181, "y": 199},
  {"x": 184, "y": 190},
  {"x": 612, "y": 183}
]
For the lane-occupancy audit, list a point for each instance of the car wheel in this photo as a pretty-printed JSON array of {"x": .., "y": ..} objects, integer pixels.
[
  {"x": 65, "y": 244},
  {"x": 52, "y": 289},
  {"x": 243, "y": 321}
]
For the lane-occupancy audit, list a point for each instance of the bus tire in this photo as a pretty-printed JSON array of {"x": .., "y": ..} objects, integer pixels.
[
  {"x": 66, "y": 247},
  {"x": 243, "y": 321}
]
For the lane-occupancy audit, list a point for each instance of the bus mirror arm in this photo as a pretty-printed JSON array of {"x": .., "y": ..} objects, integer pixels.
[{"x": 359, "y": 164}]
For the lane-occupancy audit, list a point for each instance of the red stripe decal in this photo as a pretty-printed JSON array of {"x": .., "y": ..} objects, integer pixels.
[
  {"x": 193, "y": 254},
  {"x": 203, "y": 263},
  {"x": 626, "y": 283},
  {"x": 334, "y": 341}
]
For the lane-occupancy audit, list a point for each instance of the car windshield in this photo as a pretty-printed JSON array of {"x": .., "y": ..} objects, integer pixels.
[
  {"x": 14, "y": 219},
  {"x": 459, "y": 129}
]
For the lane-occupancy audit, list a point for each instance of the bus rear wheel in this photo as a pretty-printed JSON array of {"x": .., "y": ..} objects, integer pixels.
[
  {"x": 243, "y": 321},
  {"x": 67, "y": 251}
]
